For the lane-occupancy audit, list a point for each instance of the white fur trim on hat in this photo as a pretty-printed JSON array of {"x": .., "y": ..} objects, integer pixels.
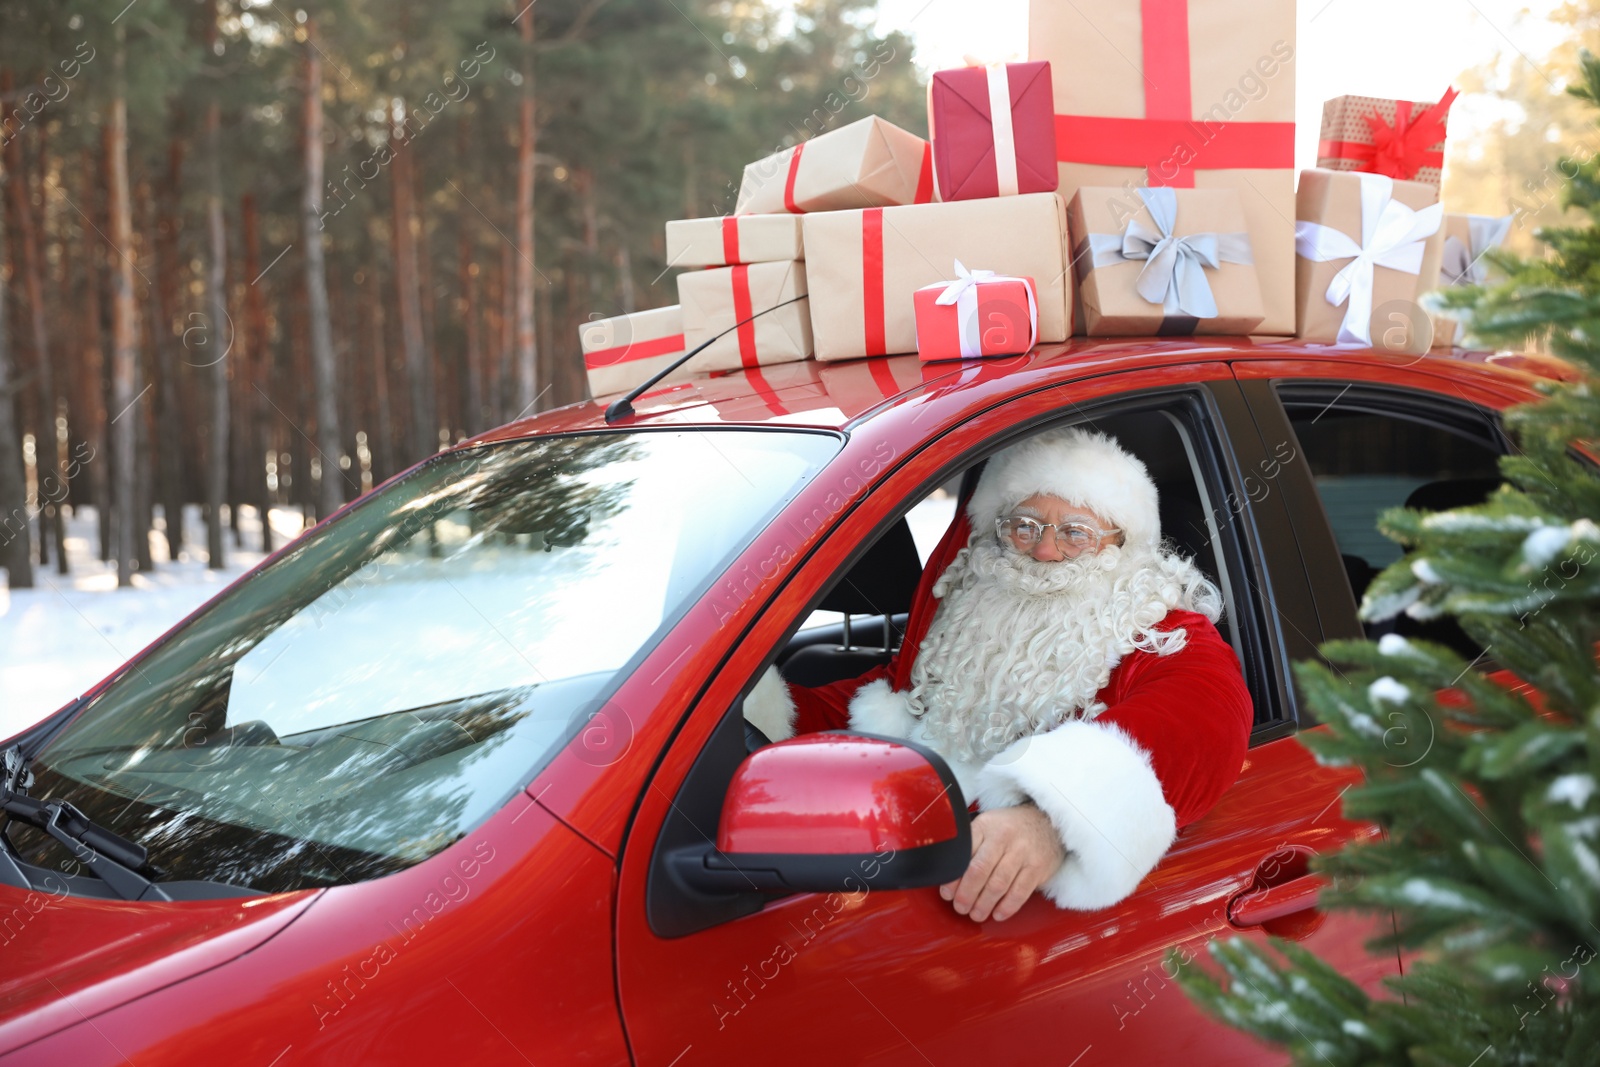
[
  {"x": 1086, "y": 469},
  {"x": 770, "y": 707},
  {"x": 1097, "y": 787}
]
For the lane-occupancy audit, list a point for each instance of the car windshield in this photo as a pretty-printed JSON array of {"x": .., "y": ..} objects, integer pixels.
[{"x": 396, "y": 675}]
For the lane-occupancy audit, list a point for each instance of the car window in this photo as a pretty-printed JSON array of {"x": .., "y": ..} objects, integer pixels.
[
  {"x": 1368, "y": 452},
  {"x": 1197, "y": 518},
  {"x": 1365, "y": 463},
  {"x": 928, "y": 520},
  {"x": 387, "y": 683}
]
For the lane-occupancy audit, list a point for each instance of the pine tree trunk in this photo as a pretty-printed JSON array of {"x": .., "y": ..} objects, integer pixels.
[
  {"x": 166, "y": 339},
  {"x": 253, "y": 372},
  {"x": 52, "y": 487},
  {"x": 219, "y": 328},
  {"x": 505, "y": 373},
  {"x": 527, "y": 352},
  {"x": 473, "y": 420},
  {"x": 144, "y": 472},
  {"x": 424, "y": 438},
  {"x": 124, "y": 327},
  {"x": 382, "y": 437},
  {"x": 15, "y": 549},
  {"x": 330, "y": 494},
  {"x": 93, "y": 418}
]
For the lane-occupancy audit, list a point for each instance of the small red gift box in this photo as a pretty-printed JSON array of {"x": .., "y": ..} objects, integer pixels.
[
  {"x": 1398, "y": 138},
  {"x": 993, "y": 131},
  {"x": 979, "y": 314}
]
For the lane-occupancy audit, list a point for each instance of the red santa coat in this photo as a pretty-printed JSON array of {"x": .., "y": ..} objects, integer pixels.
[{"x": 1117, "y": 787}]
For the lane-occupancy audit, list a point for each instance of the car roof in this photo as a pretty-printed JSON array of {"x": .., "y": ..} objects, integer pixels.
[{"x": 846, "y": 394}]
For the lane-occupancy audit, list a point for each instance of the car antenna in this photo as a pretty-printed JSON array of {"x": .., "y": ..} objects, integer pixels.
[{"x": 622, "y": 407}]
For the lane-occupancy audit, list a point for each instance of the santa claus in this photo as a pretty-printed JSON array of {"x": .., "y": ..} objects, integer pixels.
[{"x": 1067, "y": 667}]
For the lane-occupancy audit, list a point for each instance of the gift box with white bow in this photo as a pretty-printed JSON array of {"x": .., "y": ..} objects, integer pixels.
[
  {"x": 622, "y": 351},
  {"x": 1189, "y": 94},
  {"x": 1397, "y": 138},
  {"x": 980, "y": 313},
  {"x": 1163, "y": 261},
  {"x": 868, "y": 163},
  {"x": 759, "y": 310},
  {"x": 993, "y": 131},
  {"x": 733, "y": 239},
  {"x": 864, "y": 267},
  {"x": 1368, "y": 246},
  {"x": 1466, "y": 239}
]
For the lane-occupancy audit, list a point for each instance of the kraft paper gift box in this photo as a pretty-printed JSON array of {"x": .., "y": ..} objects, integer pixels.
[
  {"x": 869, "y": 163},
  {"x": 993, "y": 131},
  {"x": 1466, "y": 239},
  {"x": 978, "y": 314},
  {"x": 621, "y": 352},
  {"x": 1163, "y": 262},
  {"x": 1187, "y": 94},
  {"x": 1368, "y": 246},
  {"x": 865, "y": 267},
  {"x": 733, "y": 239},
  {"x": 1398, "y": 138},
  {"x": 779, "y": 330}
]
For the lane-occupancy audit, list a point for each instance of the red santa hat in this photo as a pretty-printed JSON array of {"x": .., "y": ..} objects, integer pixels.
[{"x": 1084, "y": 468}]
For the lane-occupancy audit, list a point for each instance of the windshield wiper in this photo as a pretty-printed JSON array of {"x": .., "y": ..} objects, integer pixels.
[{"x": 112, "y": 858}]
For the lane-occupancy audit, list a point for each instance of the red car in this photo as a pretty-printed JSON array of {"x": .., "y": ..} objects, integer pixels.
[{"x": 461, "y": 775}]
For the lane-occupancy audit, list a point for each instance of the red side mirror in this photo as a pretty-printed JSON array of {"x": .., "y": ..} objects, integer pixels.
[{"x": 824, "y": 812}]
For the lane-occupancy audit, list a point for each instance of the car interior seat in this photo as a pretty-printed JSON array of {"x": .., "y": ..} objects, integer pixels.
[{"x": 881, "y": 585}]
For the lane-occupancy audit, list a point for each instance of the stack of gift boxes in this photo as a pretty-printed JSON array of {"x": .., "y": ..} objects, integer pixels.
[{"x": 1136, "y": 178}]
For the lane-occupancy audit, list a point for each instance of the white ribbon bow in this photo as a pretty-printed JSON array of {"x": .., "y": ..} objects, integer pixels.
[
  {"x": 963, "y": 293},
  {"x": 1174, "y": 273},
  {"x": 1463, "y": 261},
  {"x": 1392, "y": 235}
]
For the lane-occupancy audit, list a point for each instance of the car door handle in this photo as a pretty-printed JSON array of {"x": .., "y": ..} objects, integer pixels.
[{"x": 1264, "y": 905}]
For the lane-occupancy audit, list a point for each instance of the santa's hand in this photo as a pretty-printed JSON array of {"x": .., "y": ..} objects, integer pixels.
[{"x": 1014, "y": 852}]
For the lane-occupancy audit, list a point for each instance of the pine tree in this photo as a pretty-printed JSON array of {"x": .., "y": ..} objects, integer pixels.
[{"x": 1491, "y": 861}]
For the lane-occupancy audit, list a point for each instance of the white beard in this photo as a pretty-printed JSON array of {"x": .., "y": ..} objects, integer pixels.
[{"x": 1018, "y": 646}]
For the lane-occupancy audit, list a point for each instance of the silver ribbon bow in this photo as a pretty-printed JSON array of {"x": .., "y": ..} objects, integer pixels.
[
  {"x": 1463, "y": 260},
  {"x": 1174, "y": 273}
]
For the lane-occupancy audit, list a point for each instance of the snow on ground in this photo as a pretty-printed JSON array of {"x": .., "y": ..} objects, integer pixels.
[{"x": 67, "y": 633}]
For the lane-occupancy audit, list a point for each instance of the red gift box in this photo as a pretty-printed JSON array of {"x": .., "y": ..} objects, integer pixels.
[
  {"x": 993, "y": 131},
  {"x": 979, "y": 314},
  {"x": 1398, "y": 138}
]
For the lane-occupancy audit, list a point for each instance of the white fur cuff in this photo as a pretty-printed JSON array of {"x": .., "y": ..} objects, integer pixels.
[
  {"x": 878, "y": 709},
  {"x": 770, "y": 707},
  {"x": 1097, "y": 787}
]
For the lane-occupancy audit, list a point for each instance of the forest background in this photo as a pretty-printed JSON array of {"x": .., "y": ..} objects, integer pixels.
[{"x": 257, "y": 256}]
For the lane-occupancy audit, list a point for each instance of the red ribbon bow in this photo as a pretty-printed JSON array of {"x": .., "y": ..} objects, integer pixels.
[{"x": 1401, "y": 150}]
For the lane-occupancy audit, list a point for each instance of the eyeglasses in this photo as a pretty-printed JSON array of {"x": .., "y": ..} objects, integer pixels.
[{"x": 1024, "y": 534}]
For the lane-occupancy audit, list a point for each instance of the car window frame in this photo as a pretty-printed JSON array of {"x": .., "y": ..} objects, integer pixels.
[{"x": 1225, "y": 436}]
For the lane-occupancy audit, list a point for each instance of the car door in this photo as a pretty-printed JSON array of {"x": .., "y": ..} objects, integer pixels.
[{"x": 896, "y": 976}]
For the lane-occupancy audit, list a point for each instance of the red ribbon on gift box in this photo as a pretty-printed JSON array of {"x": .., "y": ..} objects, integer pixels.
[
  {"x": 730, "y": 239},
  {"x": 1154, "y": 142},
  {"x": 872, "y": 281},
  {"x": 1398, "y": 151},
  {"x": 923, "y": 195},
  {"x": 610, "y": 357},
  {"x": 743, "y": 311}
]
